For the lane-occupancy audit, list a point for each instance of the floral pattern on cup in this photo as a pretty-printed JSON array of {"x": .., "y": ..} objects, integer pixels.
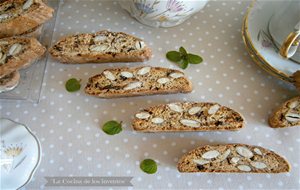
[{"x": 161, "y": 13}]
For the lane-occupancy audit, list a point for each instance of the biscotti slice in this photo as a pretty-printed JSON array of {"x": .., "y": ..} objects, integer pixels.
[
  {"x": 287, "y": 114},
  {"x": 16, "y": 52},
  {"x": 9, "y": 82},
  {"x": 187, "y": 116},
  {"x": 137, "y": 81},
  {"x": 232, "y": 158},
  {"x": 19, "y": 16},
  {"x": 101, "y": 47}
]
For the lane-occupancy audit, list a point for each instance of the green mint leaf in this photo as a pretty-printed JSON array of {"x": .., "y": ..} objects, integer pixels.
[
  {"x": 173, "y": 56},
  {"x": 184, "y": 63},
  {"x": 194, "y": 59},
  {"x": 112, "y": 127},
  {"x": 148, "y": 166},
  {"x": 182, "y": 51},
  {"x": 72, "y": 85}
]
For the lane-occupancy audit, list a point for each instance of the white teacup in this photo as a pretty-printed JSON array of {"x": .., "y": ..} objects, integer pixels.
[
  {"x": 284, "y": 28},
  {"x": 162, "y": 13}
]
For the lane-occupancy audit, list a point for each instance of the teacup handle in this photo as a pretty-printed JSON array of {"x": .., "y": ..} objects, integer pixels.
[{"x": 290, "y": 44}]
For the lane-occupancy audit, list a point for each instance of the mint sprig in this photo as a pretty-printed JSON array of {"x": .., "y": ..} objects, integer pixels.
[
  {"x": 112, "y": 127},
  {"x": 183, "y": 58},
  {"x": 148, "y": 166}
]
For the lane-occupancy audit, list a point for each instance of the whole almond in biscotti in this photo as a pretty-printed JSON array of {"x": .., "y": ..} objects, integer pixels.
[
  {"x": 18, "y": 52},
  {"x": 287, "y": 114},
  {"x": 101, "y": 47},
  {"x": 232, "y": 158},
  {"x": 19, "y": 17},
  {"x": 188, "y": 116},
  {"x": 137, "y": 81}
]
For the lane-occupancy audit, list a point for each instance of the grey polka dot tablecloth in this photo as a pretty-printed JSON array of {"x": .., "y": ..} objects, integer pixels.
[{"x": 68, "y": 125}]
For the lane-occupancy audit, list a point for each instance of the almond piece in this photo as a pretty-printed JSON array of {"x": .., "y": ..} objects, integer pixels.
[
  {"x": 27, "y": 4},
  {"x": 163, "y": 80},
  {"x": 201, "y": 161},
  {"x": 176, "y": 75},
  {"x": 142, "y": 115},
  {"x": 213, "y": 109},
  {"x": 194, "y": 110},
  {"x": 210, "y": 154},
  {"x": 234, "y": 160},
  {"x": 100, "y": 38},
  {"x": 157, "y": 120},
  {"x": 257, "y": 151},
  {"x": 190, "y": 123},
  {"x": 244, "y": 168},
  {"x": 258, "y": 165},
  {"x": 15, "y": 49},
  {"x": 133, "y": 85},
  {"x": 139, "y": 45},
  {"x": 144, "y": 70},
  {"x": 175, "y": 107},
  {"x": 243, "y": 151},
  {"x": 99, "y": 48},
  {"x": 109, "y": 75},
  {"x": 126, "y": 74}
]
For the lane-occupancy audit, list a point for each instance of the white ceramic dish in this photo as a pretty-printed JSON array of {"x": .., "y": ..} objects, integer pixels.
[
  {"x": 20, "y": 154},
  {"x": 255, "y": 31}
]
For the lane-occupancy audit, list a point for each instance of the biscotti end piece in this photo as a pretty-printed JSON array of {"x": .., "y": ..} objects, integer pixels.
[
  {"x": 287, "y": 114},
  {"x": 232, "y": 158},
  {"x": 17, "y": 52},
  {"x": 187, "y": 116},
  {"x": 9, "y": 82},
  {"x": 21, "y": 16},
  {"x": 101, "y": 47},
  {"x": 137, "y": 81}
]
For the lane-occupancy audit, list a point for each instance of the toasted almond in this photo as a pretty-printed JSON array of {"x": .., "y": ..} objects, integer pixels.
[
  {"x": 15, "y": 49},
  {"x": 224, "y": 155},
  {"x": 109, "y": 75},
  {"x": 293, "y": 104},
  {"x": 243, "y": 151},
  {"x": 157, "y": 120},
  {"x": 244, "y": 168},
  {"x": 3, "y": 16},
  {"x": 133, "y": 85},
  {"x": 3, "y": 58},
  {"x": 292, "y": 117},
  {"x": 139, "y": 45},
  {"x": 175, "y": 107},
  {"x": 194, "y": 110},
  {"x": 257, "y": 151},
  {"x": 176, "y": 75},
  {"x": 27, "y": 4},
  {"x": 144, "y": 70},
  {"x": 213, "y": 109},
  {"x": 201, "y": 161},
  {"x": 163, "y": 80},
  {"x": 210, "y": 154},
  {"x": 258, "y": 165},
  {"x": 234, "y": 160},
  {"x": 142, "y": 115},
  {"x": 190, "y": 123},
  {"x": 99, "y": 48},
  {"x": 126, "y": 74},
  {"x": 100, "y": 38}
]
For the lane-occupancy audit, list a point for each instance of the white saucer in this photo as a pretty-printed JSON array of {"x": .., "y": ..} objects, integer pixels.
[
  {"x": 20, "y": 154},
  {"x": 259, "y": 43}
]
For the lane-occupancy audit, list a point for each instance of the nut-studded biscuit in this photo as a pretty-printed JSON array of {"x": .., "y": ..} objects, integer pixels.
[
  {"x": 187, "y": 116},
  {"x": 17, "y": 52},
  {"x": 101, "y": 47},
  {"x": 287, "y": 114},
  {"x": 137, "y": 81},
  {"x": 10, "y": 81},
  {"x": 20, "y": 16},
  {"x": 232, "y": 158}
]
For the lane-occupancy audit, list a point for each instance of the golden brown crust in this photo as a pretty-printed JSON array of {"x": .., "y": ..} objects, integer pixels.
[
  {"x": 188, "y": 116},
  {"x": 103, "y": 87},
  {"x": 287, "y": 114},
  {"x": 119, "y": 47},
  {"x": 26, "y": 20},
  {"x": 31, "y": 50},
  {"x": 230, "y": 160}
]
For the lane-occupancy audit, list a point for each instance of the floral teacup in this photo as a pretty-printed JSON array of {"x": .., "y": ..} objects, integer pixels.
[{"x": 162, "y": 13}]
